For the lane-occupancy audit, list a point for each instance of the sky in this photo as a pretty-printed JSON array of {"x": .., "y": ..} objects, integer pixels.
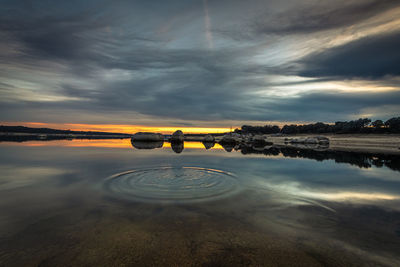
[{"x": 198, "y": 63}]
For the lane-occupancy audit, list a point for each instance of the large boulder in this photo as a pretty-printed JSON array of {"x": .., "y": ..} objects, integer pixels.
[
  {"x": 228, "y": 139},
  {"x": 177, "y": 136},
  {"x": 209, "y": 138},
  {"x": 147, "y": 137}
]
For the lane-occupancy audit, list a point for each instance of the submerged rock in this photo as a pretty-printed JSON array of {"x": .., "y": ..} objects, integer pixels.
[
  {"x": 177, "y": 136},
  {"x": 147, "y": 137}
]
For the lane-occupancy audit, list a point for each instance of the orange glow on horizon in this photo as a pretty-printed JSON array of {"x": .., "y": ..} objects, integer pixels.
[{"x": 120, "y": 128}]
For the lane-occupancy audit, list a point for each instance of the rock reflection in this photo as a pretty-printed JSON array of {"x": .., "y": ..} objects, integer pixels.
[
  {"x": 147, "y": 145},
  {"x": 208, "y": 145},
  {"x": 177, "y": 147},
  {"x": 228, "y": 146}
]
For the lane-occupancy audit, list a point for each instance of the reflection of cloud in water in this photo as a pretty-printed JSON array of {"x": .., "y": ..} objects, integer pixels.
[
  {"x": 14, "y": 177},
  {"x": 303, "y": 192},
  {"x": 342, "y": 196}
]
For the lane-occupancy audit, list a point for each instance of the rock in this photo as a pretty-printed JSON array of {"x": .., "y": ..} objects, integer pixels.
[
  {"x": 147, "y": 137},
  {"x": 228, "y": 139},
  {"x": 319, "y": 147},
  {"x": 177, "y": 136},
  {"x": 259, "y": 140},
  {"x": 309, "y": 140},
  {"x": 296, "y": 140},
  {"x": 257, "y": 148},
  {"x": 208, "y": 138},
  {"x": 147, "y": 144},
  {"x": 322, "y": 140}
]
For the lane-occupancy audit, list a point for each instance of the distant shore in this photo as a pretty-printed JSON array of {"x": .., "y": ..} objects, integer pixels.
[{"x": 360, "y": 142}]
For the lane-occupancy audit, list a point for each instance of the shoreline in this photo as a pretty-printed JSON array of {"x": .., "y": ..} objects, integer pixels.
[{"x": 364, "y": 143}]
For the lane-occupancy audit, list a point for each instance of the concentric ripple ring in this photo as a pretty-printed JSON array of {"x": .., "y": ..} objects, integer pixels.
[{"x": 172, "y": 184}]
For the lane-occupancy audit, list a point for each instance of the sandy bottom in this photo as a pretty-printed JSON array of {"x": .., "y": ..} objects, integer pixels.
[{"x": 127, "y": 234}]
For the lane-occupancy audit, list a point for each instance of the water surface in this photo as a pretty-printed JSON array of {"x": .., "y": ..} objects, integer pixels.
[{"x": 106, "y": 202}]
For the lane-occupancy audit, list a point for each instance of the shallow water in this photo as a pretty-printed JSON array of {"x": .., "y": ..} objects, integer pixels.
[{"x": 105, "y": 202}]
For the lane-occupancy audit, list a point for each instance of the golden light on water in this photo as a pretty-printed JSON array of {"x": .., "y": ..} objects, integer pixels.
[
  {"x": 108, "y": 143},
  {"x": 353, "y": 195}
]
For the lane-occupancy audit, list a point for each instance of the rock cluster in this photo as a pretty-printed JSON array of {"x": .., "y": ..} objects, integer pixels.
[{"x": 235, "y": 141}]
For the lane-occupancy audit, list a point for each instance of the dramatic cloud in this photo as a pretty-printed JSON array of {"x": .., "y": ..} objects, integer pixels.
[
  {"x": 369, "y": 57},
  {"x": 313, "y": 17},
  {"x": 136, "y": 61}
]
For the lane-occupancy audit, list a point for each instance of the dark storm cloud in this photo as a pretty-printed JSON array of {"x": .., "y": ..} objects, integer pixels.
[
  {"x": 135, "y": 57},
  {"x": 326, "y": 16},
  {"x": 309, "y": 17},
  {"x": 331, "y": 106},
  {"x": 369, "y": 57},
  {"x": 180, "y": 104}
]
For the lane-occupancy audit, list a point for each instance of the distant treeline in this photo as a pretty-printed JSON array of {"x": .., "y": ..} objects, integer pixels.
[
  {"x": 340, "y": 127},
  {"x": 23, "y": 129}
]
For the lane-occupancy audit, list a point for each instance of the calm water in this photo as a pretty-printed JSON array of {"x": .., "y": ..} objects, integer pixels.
[{"x": 105, "y": 202}]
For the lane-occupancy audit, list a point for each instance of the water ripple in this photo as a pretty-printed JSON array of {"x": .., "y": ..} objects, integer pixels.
[{"x": 172, "y": 184}]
